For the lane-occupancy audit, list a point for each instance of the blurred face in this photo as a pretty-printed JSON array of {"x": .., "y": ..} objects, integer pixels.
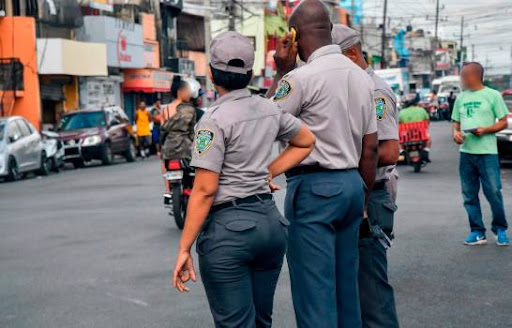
[
  {"x": 185, "y": 93},
  {"x": 470, "y": 77},
  {"x": 142, "y": 105}
]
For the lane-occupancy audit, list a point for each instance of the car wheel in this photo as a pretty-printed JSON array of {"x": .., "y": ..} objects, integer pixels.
[
  {"x": 131, "y": 152},
  {"x": 55, "y": 165},
  {"x": 78, "y": 163},
  {"x": 14, "y": 173},
  {"x": 44, "y": 169},
  {"x": 107, "y": 156}
]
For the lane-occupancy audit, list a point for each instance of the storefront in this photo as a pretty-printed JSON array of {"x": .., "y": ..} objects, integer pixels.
[
  {"x": 145, "y": 85},
  {"x": 61, "y": 62},
  {"x": 126, "y": 49}
]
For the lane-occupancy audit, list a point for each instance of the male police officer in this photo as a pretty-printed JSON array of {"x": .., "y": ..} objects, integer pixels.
[
  {"x": 377, "y": 299},
  {"x": 325, "y": 194}
]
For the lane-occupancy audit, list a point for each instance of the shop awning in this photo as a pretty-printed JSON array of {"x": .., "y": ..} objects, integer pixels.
[
  {"x": 147, "y": 80},
  {"x": 68, "y": 57}
]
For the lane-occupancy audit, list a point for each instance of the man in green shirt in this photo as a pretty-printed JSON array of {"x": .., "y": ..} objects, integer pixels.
[
  {"x": 414, "y": 113},
  {"x": 479, "y": 112}
]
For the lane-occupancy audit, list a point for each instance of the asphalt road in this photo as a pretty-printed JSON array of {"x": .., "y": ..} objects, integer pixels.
[{"x": 94, "y": 247}]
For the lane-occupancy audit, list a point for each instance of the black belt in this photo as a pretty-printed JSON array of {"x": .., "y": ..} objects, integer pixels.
[
  {"x": 379, "y": 185},
  {"x": 305, "y": 169},
  {"x": 239, "y": 201}
]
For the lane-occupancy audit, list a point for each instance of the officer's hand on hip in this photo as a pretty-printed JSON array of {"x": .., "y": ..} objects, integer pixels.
[
  {"x": 183, "y": 271},
  {"x": 286, "y": 54}
]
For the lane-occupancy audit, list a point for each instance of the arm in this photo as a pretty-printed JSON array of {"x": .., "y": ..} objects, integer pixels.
[
  {"x": 299, "y": 147},
  {"x": 458, "y": 136},
  {"x": 369, "y": 159},
  {"x": 389, "y": 150},
  {"x": 500, "y": 125},
  {"x": 200, "y": 202},
  {"x": 285, "y": 58}
]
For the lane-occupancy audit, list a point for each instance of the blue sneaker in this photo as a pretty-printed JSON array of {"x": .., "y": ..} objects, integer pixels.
[
  {"x": 476, "y": 238},
  {"x": 502, "y": 238}
]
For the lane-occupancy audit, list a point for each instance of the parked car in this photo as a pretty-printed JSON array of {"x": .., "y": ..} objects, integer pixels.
[
  {"x": 21, "y": 149},
  {"x": 505, "y": 136},
  {"x": 54, "y": 150},
  {"x": 96, "y": 134}
]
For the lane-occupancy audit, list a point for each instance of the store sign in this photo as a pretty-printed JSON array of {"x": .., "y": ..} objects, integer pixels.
[
  {"x": 100, "y": 92},
  {"x": 147, "y": 80},
  {"x": 125, "y": 46}
]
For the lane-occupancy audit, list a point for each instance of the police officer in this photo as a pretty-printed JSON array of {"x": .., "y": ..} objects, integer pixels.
[
  {"x": 325, "y": 194},
  {"x": 377, "y": 299},
  {"x": 242, "y": 237}
]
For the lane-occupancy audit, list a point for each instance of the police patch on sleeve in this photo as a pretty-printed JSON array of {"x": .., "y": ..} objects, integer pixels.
[
  {"x": 381, "y": 108},
  {"x": 204, "y": 141},
  {"x": 283, "y": 90}
]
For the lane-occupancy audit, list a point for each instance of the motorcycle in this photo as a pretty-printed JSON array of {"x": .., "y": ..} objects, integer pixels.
[
  {"x": 54, "y": 150},
  {"x": 180, "y": 177},
  {"x": 413, "y": 140}
]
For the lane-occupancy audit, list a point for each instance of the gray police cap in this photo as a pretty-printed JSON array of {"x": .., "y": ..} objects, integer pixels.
[
  {"x": 229, "y": 46},
  {"x": 344, "y": 36}
]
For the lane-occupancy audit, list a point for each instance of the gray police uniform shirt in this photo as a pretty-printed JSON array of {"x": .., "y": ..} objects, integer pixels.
[
  {"x": 387, "y": 118},
  {"x": 334, "y": 98},
  {"x": 235, "y": 138}
]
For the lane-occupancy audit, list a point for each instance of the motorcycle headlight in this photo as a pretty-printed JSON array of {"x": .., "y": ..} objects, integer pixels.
[{"x": 91, "y": 141}]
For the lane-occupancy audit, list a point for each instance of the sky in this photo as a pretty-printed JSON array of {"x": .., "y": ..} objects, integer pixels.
[{"x": 487, "y": 25}]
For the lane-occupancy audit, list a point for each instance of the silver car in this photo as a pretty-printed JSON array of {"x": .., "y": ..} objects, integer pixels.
[{"x": 21, "y": 149}]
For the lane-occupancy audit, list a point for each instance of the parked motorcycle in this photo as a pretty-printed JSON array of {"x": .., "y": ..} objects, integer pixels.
[
  {"x": 180, "y": 177},
  {"x": 413, "y": 139},
  {"x": 54, "y": 150}
]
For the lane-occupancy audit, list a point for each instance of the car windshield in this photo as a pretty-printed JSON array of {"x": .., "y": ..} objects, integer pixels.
[{"x": 82, "y": 121}]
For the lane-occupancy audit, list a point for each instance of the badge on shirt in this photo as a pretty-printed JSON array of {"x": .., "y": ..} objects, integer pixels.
[
  {"x": 204, "y": 141},
  {"x": 283, "y": 90},
  {"x": 380, "y": 108}
]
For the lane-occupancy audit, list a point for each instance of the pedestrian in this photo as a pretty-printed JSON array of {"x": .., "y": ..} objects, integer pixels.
[
  {"x": 142, "y": 122},
  {"x": 325, "y": 194},
  {"x": 242, "y": 237},
  {"x": 177, "y": 130},
  {"x": 451, "y": 102},
  {"x": 479, "y": 112},
  {"x": 376, "y": 294},
  {"x": 156, "y": 113}
]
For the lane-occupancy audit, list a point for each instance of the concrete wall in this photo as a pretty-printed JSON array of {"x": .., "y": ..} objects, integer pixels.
[{"x": 18, "y": 40}]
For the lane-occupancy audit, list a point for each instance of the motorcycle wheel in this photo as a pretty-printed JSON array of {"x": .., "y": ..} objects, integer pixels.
[
  {"x": 177, "y": 205},
  {"x": 417, "y": 166}
]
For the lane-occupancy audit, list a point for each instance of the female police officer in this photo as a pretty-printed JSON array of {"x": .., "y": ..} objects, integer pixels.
[{"x": 242, "y": 238}]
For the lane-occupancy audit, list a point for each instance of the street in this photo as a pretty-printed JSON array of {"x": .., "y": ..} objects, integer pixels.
[{"x": 95, "y": 247}]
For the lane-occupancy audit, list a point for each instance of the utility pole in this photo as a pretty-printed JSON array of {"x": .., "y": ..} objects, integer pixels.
[
  {"x": 437, "y": 22},
  {"x": 461, "y": 42},
  {"x": 232, "y": 15},
  {"x": 353, "y": 10},
  {"x": 472, "y": 52},
  {"x": 383, "y": 38}
]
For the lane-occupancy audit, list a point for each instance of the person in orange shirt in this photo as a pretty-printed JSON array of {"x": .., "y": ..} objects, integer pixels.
[{"x": 142, "y": 121}]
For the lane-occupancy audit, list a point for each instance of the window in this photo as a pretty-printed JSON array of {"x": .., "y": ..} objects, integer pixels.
[
  {"x": 11, "y": 74},
  {"x": 14, "y": 132},
  {"x": 23, "y": 127}
]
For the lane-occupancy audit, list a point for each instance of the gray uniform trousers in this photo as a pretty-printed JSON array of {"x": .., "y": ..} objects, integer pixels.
[
  {"x": 241, "y": 251},
  {"x": 325, "y": 210},
  {"x": 376, "y": 294}
]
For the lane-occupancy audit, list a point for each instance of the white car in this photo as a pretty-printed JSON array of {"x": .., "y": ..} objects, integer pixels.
[{"x": 21, "y": 149}]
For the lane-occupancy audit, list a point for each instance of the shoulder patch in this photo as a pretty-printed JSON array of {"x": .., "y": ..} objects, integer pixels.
[
  {"x": 381, "y": 108},
  {"x": 204, "y": 141},
  {"x": 283, "y": 90}
]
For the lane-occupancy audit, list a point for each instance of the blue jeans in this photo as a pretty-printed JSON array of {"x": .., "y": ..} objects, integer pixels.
[
  {"x": 482, "y": 169},
  {"x": 325, "y": 210}
]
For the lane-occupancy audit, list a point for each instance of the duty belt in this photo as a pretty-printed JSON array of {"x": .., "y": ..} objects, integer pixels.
[
  {"x": 305, "y": 169},
  {"x": 239, "y": 201}
]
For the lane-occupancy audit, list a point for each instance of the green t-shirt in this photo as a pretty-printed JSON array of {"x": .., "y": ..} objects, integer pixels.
[
  {"x": 413, "y": 114},
  {"x": 479, "y": 109}
]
